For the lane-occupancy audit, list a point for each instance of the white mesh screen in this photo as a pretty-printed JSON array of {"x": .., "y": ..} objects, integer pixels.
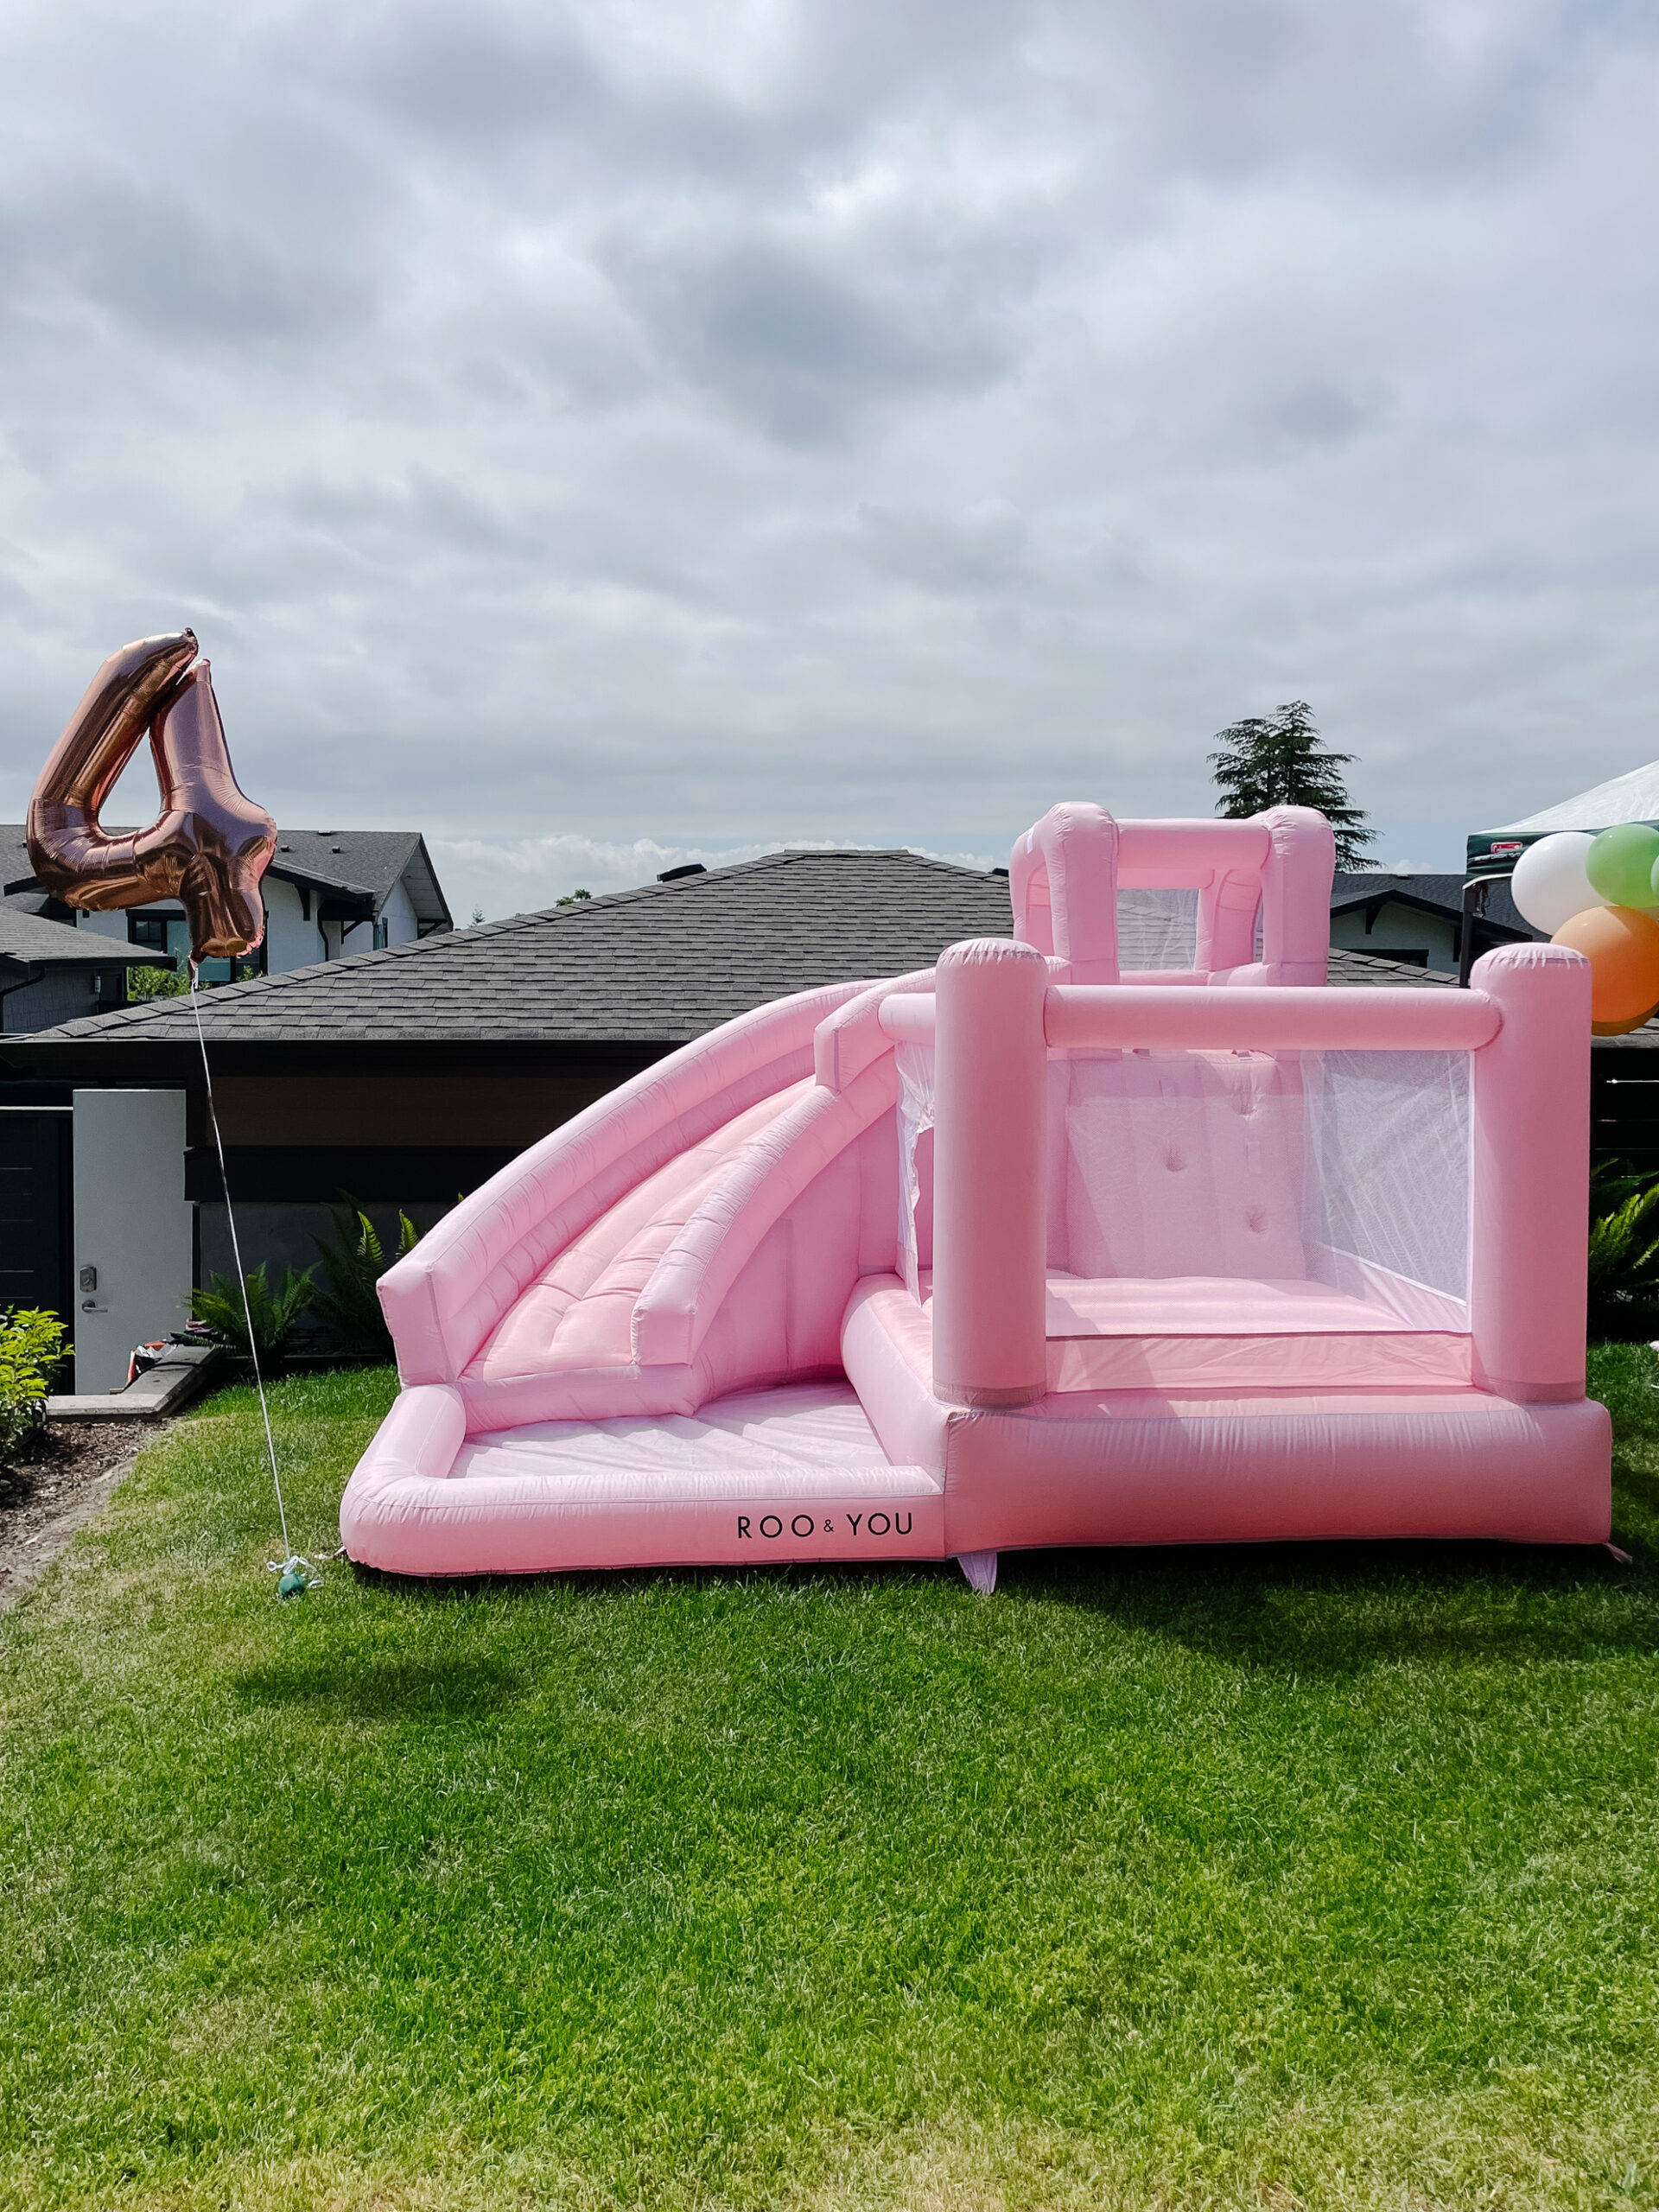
[
  {"x": 1346, "y": 1168},
  {"x": 1388, "y": 1165},
  {"x": 1350, "y": 1169},
  {"x": 1157, "y": 929},
  {"x": 915, "y": 1066}
]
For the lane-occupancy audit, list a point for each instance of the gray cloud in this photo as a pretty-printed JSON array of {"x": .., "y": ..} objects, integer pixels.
[{"x": 618, "y": 428}]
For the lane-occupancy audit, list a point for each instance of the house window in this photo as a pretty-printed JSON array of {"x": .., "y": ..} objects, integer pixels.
[
  {"x": 382, "y": 930},
  {"x": 168, "y": 936}
]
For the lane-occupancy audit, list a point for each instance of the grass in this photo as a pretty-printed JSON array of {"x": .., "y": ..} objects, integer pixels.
[{"x": 1319, "y": 1876}]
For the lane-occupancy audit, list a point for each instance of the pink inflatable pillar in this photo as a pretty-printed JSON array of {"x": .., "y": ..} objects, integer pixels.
[
  {"x": 990, "y": 1256},
  {"x": 1063, "y": 884},
  {"x": 1531, "y": 1170},
  {"x": 1296, "y": 894}
]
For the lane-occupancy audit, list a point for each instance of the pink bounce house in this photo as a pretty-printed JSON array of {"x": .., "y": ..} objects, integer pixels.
[{"x": 1024, "y": 1250}]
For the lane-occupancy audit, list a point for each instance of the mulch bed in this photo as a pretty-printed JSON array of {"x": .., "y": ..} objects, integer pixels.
[{"x": 60, "y": 1479}]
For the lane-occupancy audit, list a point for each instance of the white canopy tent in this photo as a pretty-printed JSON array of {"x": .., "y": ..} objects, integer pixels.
[
  {"x": 1630, "y": 797},
  {"x": 1633, "y": 797}
]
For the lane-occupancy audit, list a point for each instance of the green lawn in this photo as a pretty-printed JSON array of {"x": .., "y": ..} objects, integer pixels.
[{"x": 1265, "y": 1877}]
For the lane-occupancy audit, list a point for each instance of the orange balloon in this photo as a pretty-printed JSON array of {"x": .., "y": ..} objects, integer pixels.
[{"x": 1622, "y": 945}]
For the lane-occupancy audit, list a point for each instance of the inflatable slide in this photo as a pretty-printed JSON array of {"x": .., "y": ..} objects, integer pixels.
[{"x": 1028, "y": 1250}]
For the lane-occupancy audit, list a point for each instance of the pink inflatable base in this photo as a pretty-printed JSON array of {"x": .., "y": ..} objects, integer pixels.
[
  {"x": 798, "y": 1474},
  {"x": 789, "y": 1474},
  {"x": 1150, "y": 1467},
  {"x": 1024, "y": 1252}
]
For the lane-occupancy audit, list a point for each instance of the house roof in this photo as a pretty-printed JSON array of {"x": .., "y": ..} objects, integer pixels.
[
  {"x": 365, "y": 863},
  {"x": 29, "y": 937},
  {"x": 657, "y": 966},
  {"x": 358, "y": 865},
  {"x": 1434, "y": 893},
  {"x": 16, "y": 868},
  {"x": 1633, "y": 797}
]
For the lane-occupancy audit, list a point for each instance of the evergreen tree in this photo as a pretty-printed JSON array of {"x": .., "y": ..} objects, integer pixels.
[{"x": 1281, "y": 759}]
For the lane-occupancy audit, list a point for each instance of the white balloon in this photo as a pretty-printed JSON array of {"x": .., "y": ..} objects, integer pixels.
[{"x": 1550, "y": 886}]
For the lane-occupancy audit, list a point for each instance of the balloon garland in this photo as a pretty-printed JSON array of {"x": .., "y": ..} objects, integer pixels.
[{"x": 1599, "y": 896}]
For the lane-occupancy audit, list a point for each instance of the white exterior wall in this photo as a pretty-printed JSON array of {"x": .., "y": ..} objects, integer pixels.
[
  {"x": 294, "y": 942},
  {"x": 290, "y": 940},
  {"x": 133, "y": 1225},
  {"x": 398, "y": 914}
]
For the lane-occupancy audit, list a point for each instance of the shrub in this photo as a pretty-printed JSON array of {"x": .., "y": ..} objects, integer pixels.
[
  {"x": 352, "y": 1261},
  {"x": 276, "y": 1313},
  {"x": 31, "y": 1349},
  {"x": 156, "y": 982}
]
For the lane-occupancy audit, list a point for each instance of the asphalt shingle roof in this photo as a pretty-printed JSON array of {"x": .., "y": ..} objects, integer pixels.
[
  {"x": 658, "y": 965},
  {"x": 30, "y": 936}
]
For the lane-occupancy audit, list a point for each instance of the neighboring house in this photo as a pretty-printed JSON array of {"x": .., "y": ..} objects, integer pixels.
[
  {"x": 1417, "y": 920},
  {"x": 322, "y": 888},
  {"x": 50, "y": 973},
  {"x": 409, "y": 1075}
]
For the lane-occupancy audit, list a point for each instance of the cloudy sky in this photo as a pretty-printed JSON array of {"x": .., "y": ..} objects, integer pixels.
[{"x": 597, "y": 432}]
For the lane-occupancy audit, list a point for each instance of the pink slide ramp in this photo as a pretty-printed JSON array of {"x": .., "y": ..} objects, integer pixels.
[{"x": 1029, "y": 1250}]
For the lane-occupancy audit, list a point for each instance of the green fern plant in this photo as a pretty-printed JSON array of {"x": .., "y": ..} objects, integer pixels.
[
  {"x": 353, "y": 1259},
  {"x": 275, "y": 1313},
  {"x": 1623, "y": 1248}
]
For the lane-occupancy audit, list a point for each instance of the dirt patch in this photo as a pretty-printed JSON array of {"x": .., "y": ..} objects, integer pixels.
[{"x": 60, "y": 1479}]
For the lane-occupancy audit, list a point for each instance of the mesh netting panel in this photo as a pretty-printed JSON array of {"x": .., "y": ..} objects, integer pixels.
[
  {"x": 1350, "y": 1169},
  {"x": 915, "y": 1066},
  {"x": 1346, "y": 1168},
  {"x": 1157, "y": 929},
  {"x": 1388, "y": 1163}
]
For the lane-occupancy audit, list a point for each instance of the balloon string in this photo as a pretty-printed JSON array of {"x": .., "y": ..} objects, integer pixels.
[{"x": 236, "y": 1249}]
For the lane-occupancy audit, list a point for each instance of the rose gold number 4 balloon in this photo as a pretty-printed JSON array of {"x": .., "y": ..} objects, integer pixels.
[{"x": 210, "y": 845}]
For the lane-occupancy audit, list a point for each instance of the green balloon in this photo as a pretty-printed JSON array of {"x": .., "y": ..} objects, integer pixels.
[{"x": 1621, "y": 863}]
